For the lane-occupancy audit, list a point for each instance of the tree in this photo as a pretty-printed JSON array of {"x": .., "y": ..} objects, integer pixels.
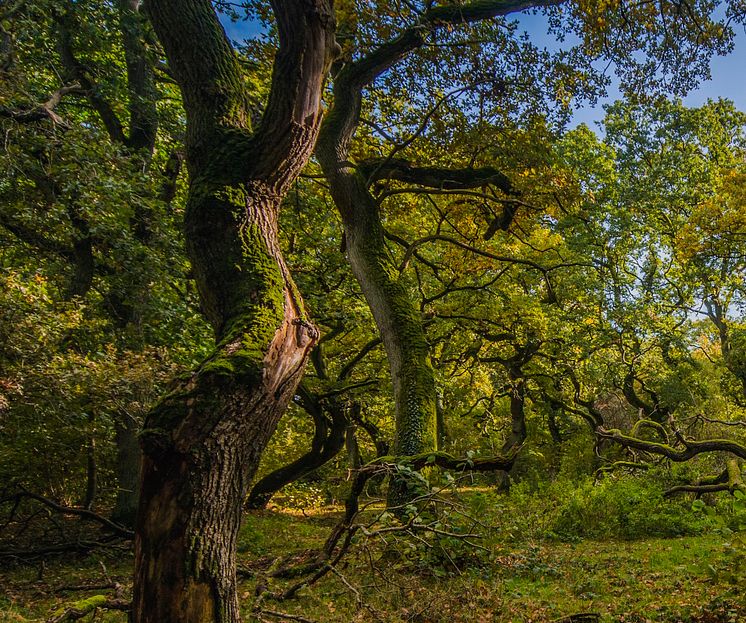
[
  {"x": 658, "y": 217},
  {"x": 203, "y": 442},
  {"x": 87, "y": 189},
  {"x": 411, "y": 38}
]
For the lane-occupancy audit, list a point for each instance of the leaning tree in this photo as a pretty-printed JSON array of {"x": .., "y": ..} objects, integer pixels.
[{"x": 203, "y": 441}]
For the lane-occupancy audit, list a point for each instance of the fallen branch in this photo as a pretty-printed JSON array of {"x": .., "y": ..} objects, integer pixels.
[
  {"x": 80, "y": 512},
  {"x": 77, "y": 546},
  {"x": 444, "y": 461},
  {"x": 285, "y": 616},
  {"x": 729, "y": 479},
  {"x": 84, "y": 607}
]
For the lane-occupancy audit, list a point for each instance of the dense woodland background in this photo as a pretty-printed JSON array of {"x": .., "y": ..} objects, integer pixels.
[{"x": 525, "y": 395}]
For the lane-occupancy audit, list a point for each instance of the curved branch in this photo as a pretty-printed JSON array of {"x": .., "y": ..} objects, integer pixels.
[
  {"x": 45, "y": 110},
  {"x": 691, "y": 449},
  {"x": 367, "y": 69},
  {"x": 657, "y": 427},
  {"x": 729, "y": 479},
  {"x": 544, "y": 270},
  {"x": 347, "y": 369},
  {"x": 67, "y": 23}
]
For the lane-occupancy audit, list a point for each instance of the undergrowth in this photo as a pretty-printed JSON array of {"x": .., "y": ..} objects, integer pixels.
[{"x": 616, "y": 548}]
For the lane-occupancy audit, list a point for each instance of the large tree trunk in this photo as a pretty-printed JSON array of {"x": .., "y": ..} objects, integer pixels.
[
  {"x": 203, "y": 442},
  {"x": 195, "y": 477}
]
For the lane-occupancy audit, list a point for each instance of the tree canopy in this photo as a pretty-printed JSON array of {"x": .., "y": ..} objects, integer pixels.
[{"x": 389, "y": 192}]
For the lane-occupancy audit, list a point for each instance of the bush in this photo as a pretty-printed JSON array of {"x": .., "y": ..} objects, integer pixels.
[{"x": 626, "y": 508}]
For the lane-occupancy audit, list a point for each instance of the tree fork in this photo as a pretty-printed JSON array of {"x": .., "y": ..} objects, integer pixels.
[{"x": 202, "y": 443}]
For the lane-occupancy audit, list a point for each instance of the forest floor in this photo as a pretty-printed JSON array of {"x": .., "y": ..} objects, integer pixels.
[{"x": 518, "y": 576}]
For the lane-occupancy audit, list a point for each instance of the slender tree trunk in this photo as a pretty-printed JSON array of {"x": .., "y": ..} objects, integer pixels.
[
  {"x": 396, "y": 316},
  {"x": 517, "y": 414},
  {"x": 139, "y": 143},
  {"x": 91, "y": 489},
  {"x": 397, "y": 319},
  {"x": 127, "y": 470},
  {"x": 518, "y": 432}
]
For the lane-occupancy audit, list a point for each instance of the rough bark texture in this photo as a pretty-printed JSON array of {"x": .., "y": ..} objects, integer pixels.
[{"x": 203, "y": 442}]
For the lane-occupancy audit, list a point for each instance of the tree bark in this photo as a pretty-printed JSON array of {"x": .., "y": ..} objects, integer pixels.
[{"x": 202, "y": 443}]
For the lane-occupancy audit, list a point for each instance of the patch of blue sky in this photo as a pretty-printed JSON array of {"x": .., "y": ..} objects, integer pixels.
[{"x": 726, "y": 72}]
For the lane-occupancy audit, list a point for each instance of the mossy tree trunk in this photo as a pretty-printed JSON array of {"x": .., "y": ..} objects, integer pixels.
[
  {"x": 202, "y": 443},
  {"x": 398, "y": 320},
  {"x": 396, "y": 316}
]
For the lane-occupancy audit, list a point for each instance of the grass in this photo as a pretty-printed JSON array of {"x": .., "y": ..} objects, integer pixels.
[
  {"x": 519, "y": 577},
  {"x": 531, "y": 581}
]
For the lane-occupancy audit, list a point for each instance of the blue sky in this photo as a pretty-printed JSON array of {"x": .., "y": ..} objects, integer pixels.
[{"x": 728, "y": 72}]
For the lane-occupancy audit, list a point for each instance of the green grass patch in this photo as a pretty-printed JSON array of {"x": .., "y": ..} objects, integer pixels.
[{"x": 517, "y": 577}]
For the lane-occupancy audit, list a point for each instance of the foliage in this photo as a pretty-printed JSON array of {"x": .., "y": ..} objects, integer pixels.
[
  {"x": 603, "y": 286},
  {"x": 665, "y": 580},
  {"x": 731, "y": 568},
  {"x": 625, "y": 508}
]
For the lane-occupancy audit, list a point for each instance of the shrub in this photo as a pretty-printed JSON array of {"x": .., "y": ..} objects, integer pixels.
[{"x": 626, "y": 508}]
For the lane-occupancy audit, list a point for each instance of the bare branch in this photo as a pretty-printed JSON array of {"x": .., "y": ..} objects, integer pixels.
[{"x": 45, "y": 110}]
